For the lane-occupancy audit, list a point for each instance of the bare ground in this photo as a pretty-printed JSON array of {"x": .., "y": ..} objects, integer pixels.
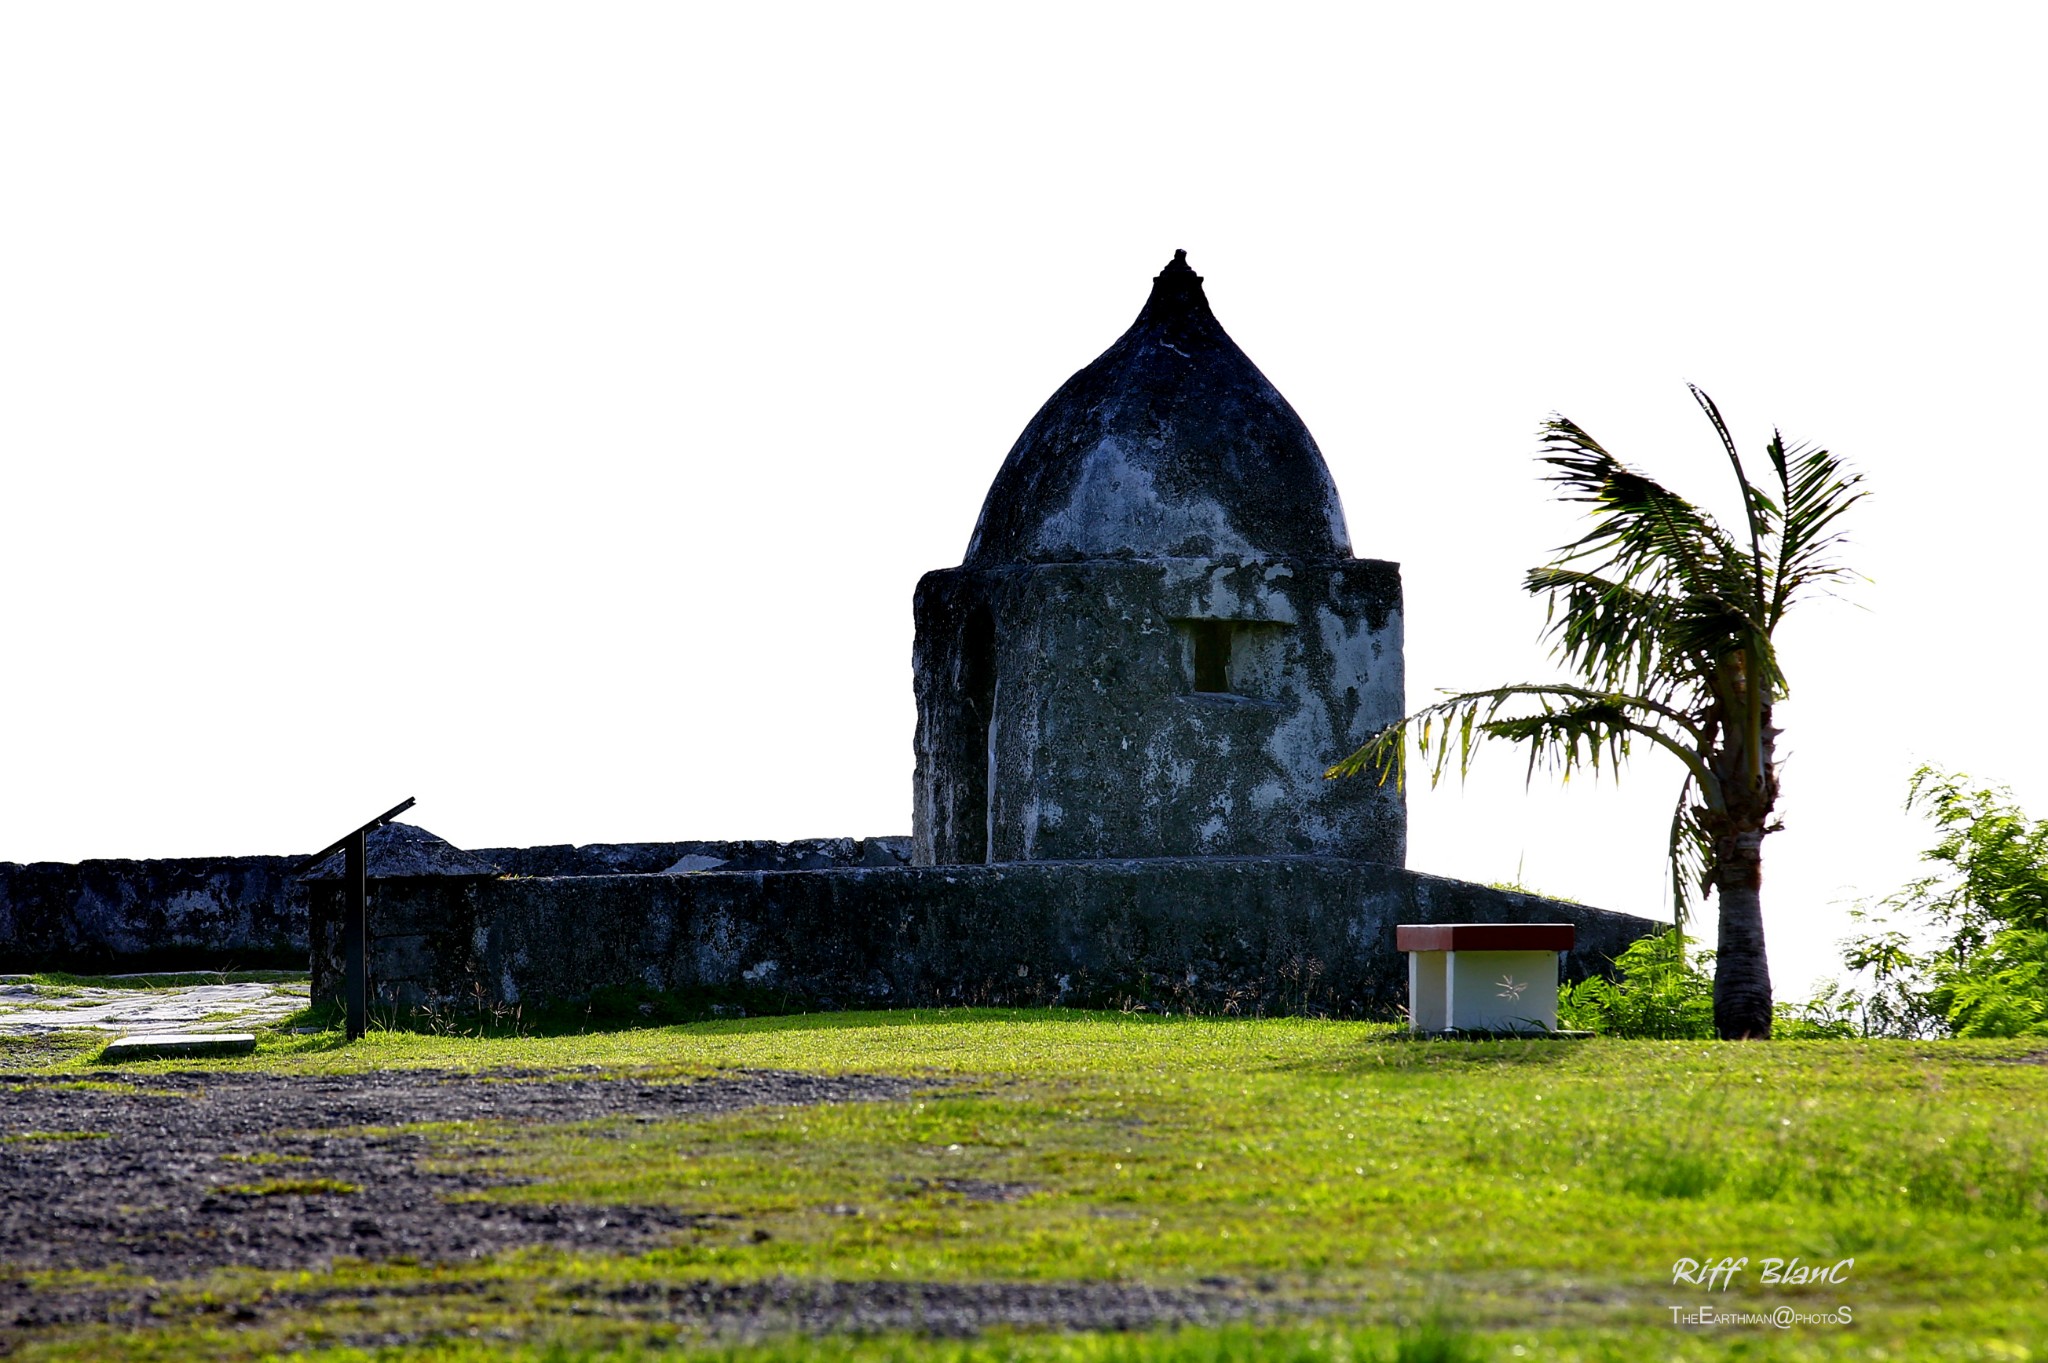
[{"x": 152, "y": 1196}]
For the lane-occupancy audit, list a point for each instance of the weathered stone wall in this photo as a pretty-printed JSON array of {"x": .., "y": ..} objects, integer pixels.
[
  {"x": 1061, "y": 715},
  {"x": 218, "y": 913},
  {"x": 187, "y": 913},
  {"x": 1244, "y": 935}
]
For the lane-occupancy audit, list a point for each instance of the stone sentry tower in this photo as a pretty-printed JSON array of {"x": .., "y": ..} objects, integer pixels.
[{"x": 1159, "y": 639}]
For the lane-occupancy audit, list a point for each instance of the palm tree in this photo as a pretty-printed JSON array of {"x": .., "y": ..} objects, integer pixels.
[{"x": 1668, "y": 622}]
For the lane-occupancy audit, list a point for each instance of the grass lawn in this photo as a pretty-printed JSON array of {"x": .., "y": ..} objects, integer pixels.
[{"x": 1492, "y": 1200}]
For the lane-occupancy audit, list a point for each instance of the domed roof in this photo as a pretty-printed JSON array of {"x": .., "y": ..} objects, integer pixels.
[{"x": 1171, "y": 445}]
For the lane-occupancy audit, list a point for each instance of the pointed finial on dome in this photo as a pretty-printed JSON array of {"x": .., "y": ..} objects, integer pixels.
[
  {"x": 1177, "y": 290},
  {"x": 1171, "y": 444}
]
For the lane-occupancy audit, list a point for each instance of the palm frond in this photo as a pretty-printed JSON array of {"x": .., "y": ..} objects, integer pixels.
[
  {"x": 1666, "y": 620},
  {"x": 1691, "y": 854},
  {"x": 1645, "y": 535},
  {"x": 1710, "y": 633},
  {"x": 1612, "y": 634},
  {"x": 1568, "y": 729},
  {"x": 1818, "y": 488},
  {"x": 1757, "y": 507}
]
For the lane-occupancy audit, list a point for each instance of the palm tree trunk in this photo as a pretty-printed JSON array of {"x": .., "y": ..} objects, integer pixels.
[{"x": 1742, "y": 973}]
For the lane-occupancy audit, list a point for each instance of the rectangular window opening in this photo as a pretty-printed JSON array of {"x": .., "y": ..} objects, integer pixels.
[
  {"x": 1212, "y": 654},
  {"x": 1247, "y": 659}
]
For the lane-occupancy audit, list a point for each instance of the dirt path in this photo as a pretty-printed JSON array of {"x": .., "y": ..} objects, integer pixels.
[
  {"x": 152, "y": 1190},
  {"x": 144, "y": 1177}
]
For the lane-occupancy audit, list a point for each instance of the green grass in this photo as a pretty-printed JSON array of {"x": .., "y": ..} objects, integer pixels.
[
  {"x": 293, "y": 1187},
  {"x": 1535, "y": 1193},
  {"x": 171, "y": 979},
  {"x": 1426, "y": 1342},
  {"x": 40, "y": 1137},
  {"x": 46, "y": 1050},
  {"x": 96, "y": 1085},
  {"x": 1517, "y": 887}
]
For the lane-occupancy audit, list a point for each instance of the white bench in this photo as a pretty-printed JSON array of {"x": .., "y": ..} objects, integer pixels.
[{"x": 1483, "y": 977}]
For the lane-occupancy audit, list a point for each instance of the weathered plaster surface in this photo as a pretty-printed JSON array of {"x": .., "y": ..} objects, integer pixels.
[
  {"x": 1171, "y": 444},
  {"x": 1097, "y": 744},
  {"x": 1210, "y": 934}
]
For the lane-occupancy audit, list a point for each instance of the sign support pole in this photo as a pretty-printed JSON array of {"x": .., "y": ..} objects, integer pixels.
[
  {"x": 355, "y": 934},
  {"x": 355, "y": 916}
]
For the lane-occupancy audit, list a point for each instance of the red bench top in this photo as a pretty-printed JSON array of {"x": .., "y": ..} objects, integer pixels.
[{"x": 1484, "y": 937}]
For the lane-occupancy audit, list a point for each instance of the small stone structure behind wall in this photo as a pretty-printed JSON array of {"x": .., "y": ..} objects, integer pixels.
[
  {"x": 1250, "y": 935},
  {"x": 655, "y": 858}
]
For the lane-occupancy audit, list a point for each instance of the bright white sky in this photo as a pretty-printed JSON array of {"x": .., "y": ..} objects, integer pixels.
[{"x": 547, "y": 411}]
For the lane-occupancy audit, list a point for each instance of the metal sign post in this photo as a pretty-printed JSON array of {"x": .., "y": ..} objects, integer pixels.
[
  {"x": 355, "y": 915},
  {"x": 355, "y": 933}
]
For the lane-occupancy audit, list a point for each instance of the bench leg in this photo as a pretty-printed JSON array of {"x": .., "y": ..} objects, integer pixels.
[{"x": 1428, "y": 1009}]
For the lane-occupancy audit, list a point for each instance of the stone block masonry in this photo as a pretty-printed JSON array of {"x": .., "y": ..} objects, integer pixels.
[
  {"x": 184, "y": 913},
  {"x": 1222, "y": 935},
  {"x": 250, "y": 913},
  {"x": 1154, "y": 708}
]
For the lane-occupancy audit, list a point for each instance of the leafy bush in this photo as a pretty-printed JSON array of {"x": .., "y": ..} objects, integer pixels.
[
  {"x": 1831, "y": 1014},
  {"x": 1987, "y": 906},
  {"x": 1662, "y": 992},
  {"x": 2001, "y": 991}
]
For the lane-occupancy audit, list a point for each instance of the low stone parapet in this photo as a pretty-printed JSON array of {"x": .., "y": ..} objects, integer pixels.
[
  {"x": 248, "y": 913},
  {"x": 1254, "y": 935},
  {"x": 181, "y": 913}
]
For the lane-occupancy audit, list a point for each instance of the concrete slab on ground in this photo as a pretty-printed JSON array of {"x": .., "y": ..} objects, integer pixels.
[{"x": 160, "y": 1045}]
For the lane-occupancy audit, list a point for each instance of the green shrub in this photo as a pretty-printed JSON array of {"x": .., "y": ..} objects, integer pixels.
[
  {"x": 2000, "y": 991},
  {"x": 1661, "y": 991},
  {"x": 1986, "y": 906},
  {"x": 1831, "y": 1014}
]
